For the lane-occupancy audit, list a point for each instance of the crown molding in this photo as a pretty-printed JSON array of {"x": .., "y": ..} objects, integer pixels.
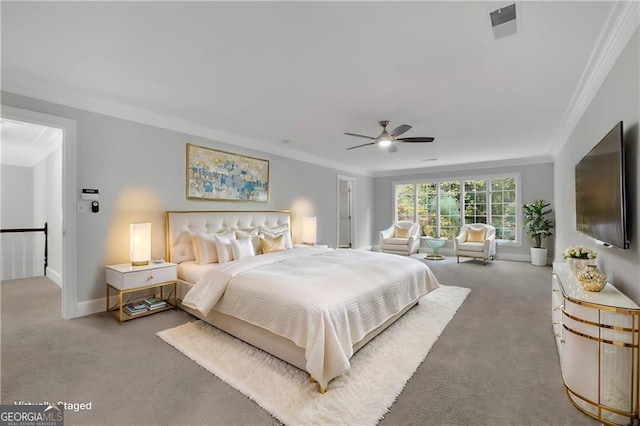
[
  {"x": 620, "y": 25},
  {"x": 61, "y": 96},
  {"x": 513, "y": 162}
]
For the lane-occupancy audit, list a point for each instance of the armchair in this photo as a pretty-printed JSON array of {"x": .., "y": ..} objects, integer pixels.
[
  {"x": 476, "y": 240},
  {"x": 401, "y": 238}
]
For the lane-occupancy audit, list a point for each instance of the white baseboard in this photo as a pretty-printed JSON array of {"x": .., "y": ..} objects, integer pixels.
[
  {"x": 90, "y": 307},
  {"x": 514, "y": 256},
  {"x": 54, "y": 276}
]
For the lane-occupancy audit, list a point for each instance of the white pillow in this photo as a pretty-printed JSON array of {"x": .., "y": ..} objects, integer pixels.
[
  {"x": 184, "y": 246},
  {"x": 204, "y": 246},
  {"x": 251, "y": 234},
  {"x": 242, "y": 248},
  {"x": 276, "y": 231},
  {"x": 223, "y": 247},
  {"x": 195, "y": 248}
]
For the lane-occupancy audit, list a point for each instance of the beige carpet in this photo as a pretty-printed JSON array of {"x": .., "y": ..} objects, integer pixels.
[{"x": 362, "y": 396}]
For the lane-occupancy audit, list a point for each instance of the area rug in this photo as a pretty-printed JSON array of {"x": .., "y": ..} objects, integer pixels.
[{"x": 362, "y": 396}]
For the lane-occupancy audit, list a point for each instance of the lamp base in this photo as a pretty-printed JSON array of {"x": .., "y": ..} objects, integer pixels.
[{"x": 141, "y": 263}]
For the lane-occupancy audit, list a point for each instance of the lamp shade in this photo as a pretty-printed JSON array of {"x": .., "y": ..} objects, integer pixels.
[
  {"x": 309, "y": 230},
  {"x": 140, "y": 243}
]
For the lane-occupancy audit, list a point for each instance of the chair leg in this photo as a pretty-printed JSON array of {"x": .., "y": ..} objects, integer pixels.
[{"x": 458, "y": 259}]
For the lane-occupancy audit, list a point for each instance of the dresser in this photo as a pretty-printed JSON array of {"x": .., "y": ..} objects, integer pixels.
[{"x": 597, "y": 336}]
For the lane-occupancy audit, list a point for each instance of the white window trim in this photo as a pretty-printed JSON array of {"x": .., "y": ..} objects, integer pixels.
[{"x": 518, "y": 177}]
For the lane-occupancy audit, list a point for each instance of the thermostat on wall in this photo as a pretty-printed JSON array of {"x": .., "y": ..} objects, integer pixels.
[{"x": 89, "y": 194}]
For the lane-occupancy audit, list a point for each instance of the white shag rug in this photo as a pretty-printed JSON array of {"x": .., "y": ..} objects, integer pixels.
[{"x": 362, "y": 396}]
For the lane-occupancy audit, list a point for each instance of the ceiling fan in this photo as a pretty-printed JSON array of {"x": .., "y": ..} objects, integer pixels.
[{"x": 386, "y": 139}]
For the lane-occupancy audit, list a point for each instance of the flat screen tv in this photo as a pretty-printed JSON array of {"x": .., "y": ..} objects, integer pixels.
[{"x": 600, "y": 191}]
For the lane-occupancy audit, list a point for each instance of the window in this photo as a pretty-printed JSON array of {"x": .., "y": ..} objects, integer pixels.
[
  {"x": 405, "y": 202},
  {"x": 450, "y": 209},
  {"x": 475, "y": 201},
  {"x": 442, "y": 207},
  {"x": 428, "y": 208},
  {"x": 503, "y": 208}
]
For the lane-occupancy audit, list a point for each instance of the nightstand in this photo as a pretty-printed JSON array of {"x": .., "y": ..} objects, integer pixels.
[{"x": 157, "y": 280}]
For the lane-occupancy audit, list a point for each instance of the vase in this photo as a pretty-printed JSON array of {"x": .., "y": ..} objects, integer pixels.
[
  {"x": 592, "y": 279},
  {"x": 577, "y": 266}
]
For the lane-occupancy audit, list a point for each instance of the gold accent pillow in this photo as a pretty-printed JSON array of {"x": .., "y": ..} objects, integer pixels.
[
  {"x": 402, "y": 232},
  {"x": 270, "y": 245},
  {"x": 476, "y": 235}
]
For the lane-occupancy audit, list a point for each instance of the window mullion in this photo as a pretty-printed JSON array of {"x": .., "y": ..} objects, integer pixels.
[
  {"x": 415, "y": 202},
  {"x": 489, "y": 201},
  {"x": 438, "y": 209}
]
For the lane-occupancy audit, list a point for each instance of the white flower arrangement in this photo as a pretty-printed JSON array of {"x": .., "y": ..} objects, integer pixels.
[{"x": 579, "y": 252}]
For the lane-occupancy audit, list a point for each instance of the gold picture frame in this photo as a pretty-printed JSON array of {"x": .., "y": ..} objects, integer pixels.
[{"x": 223, "y": 176}]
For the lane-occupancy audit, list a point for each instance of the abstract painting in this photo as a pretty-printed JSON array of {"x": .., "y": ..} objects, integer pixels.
[{"x": 223, "y": 176}]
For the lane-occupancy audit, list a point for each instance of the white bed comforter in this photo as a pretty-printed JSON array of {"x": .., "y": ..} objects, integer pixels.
[{"x": 324, "y": 300}]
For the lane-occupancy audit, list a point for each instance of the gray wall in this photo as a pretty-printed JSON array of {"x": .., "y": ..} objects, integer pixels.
[
  {"x": 536, "y": 182},
  {"x": 140, "y": 172},
  {"x": 47, "y": 207},
  {"x": 617, "y": 99}
]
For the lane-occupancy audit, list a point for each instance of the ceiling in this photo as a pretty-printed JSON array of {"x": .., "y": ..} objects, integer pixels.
[
  {"x": 291, "y": 77},
  {"x": 27, "y": 144}
]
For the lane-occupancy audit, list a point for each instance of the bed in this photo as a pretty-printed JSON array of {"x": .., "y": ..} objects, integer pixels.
[{"x": 312, "y": 307}]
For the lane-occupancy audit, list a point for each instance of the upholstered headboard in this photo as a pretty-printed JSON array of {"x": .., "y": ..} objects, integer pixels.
[{"x": 179, "y": 224}]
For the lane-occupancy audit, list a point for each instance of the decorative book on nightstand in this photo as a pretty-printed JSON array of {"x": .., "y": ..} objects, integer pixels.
[{"x": 141, "y": 290}]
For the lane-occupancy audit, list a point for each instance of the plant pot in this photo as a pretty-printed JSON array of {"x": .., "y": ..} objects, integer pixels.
[{"x": 538, "y": 256}]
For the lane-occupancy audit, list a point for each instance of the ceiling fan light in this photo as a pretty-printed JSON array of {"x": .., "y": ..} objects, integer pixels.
[{"x": 384, "y": 143}]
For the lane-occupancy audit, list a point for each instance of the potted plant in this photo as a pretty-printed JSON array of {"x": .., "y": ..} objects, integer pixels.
[{"x": 538, "y": 227}]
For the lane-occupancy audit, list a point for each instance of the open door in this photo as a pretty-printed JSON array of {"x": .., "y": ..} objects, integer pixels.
[{"x": 345, "y": 211}]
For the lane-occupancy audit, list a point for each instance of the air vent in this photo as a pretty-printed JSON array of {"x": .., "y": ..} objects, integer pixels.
[{"x": 503, "y": 21}]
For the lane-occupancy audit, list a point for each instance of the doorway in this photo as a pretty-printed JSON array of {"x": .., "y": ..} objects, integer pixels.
[
  {"x": 346, "y": 217},
  {"x": 66, "y": 174}
]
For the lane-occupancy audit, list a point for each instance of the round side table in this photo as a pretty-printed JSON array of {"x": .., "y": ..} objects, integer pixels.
[{"x": 435, "y": 244}]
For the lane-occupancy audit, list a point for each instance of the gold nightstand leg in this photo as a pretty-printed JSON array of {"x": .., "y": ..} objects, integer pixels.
[{"x": 120, "y": 306}]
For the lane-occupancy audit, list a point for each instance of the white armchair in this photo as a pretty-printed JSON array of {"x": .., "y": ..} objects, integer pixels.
[
  {"x": 476, "y": 240},
  {"x": 401, "y": 238}
]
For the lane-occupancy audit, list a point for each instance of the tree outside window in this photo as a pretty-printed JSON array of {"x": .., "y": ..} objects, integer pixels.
[
  {"x": 428, "y": 208},
  {"x": 450, "y": 220},
  {"x": 405, "y": 202},
  {"x": 475, "y": 201},
  {"x": 503, "y": 208}
]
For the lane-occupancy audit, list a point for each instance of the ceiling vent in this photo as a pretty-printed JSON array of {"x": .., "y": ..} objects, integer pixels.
[{"x": 503, "y": 21}]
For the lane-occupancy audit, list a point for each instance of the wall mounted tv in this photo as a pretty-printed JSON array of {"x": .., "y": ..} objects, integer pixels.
[{"x": 600, "y": 192}]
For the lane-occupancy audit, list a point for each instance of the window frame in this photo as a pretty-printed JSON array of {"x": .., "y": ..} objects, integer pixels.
[{"x": 517, "y": 242}]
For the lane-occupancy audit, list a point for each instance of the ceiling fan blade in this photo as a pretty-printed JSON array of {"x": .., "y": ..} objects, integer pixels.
[
  {"x": 364, "y": 144},
  {"x": 399, "y": 130},
  {"x": 392, "y": 148},
  {"x": 359, "y": 136},
  {"x": 415, "y": 139}
]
